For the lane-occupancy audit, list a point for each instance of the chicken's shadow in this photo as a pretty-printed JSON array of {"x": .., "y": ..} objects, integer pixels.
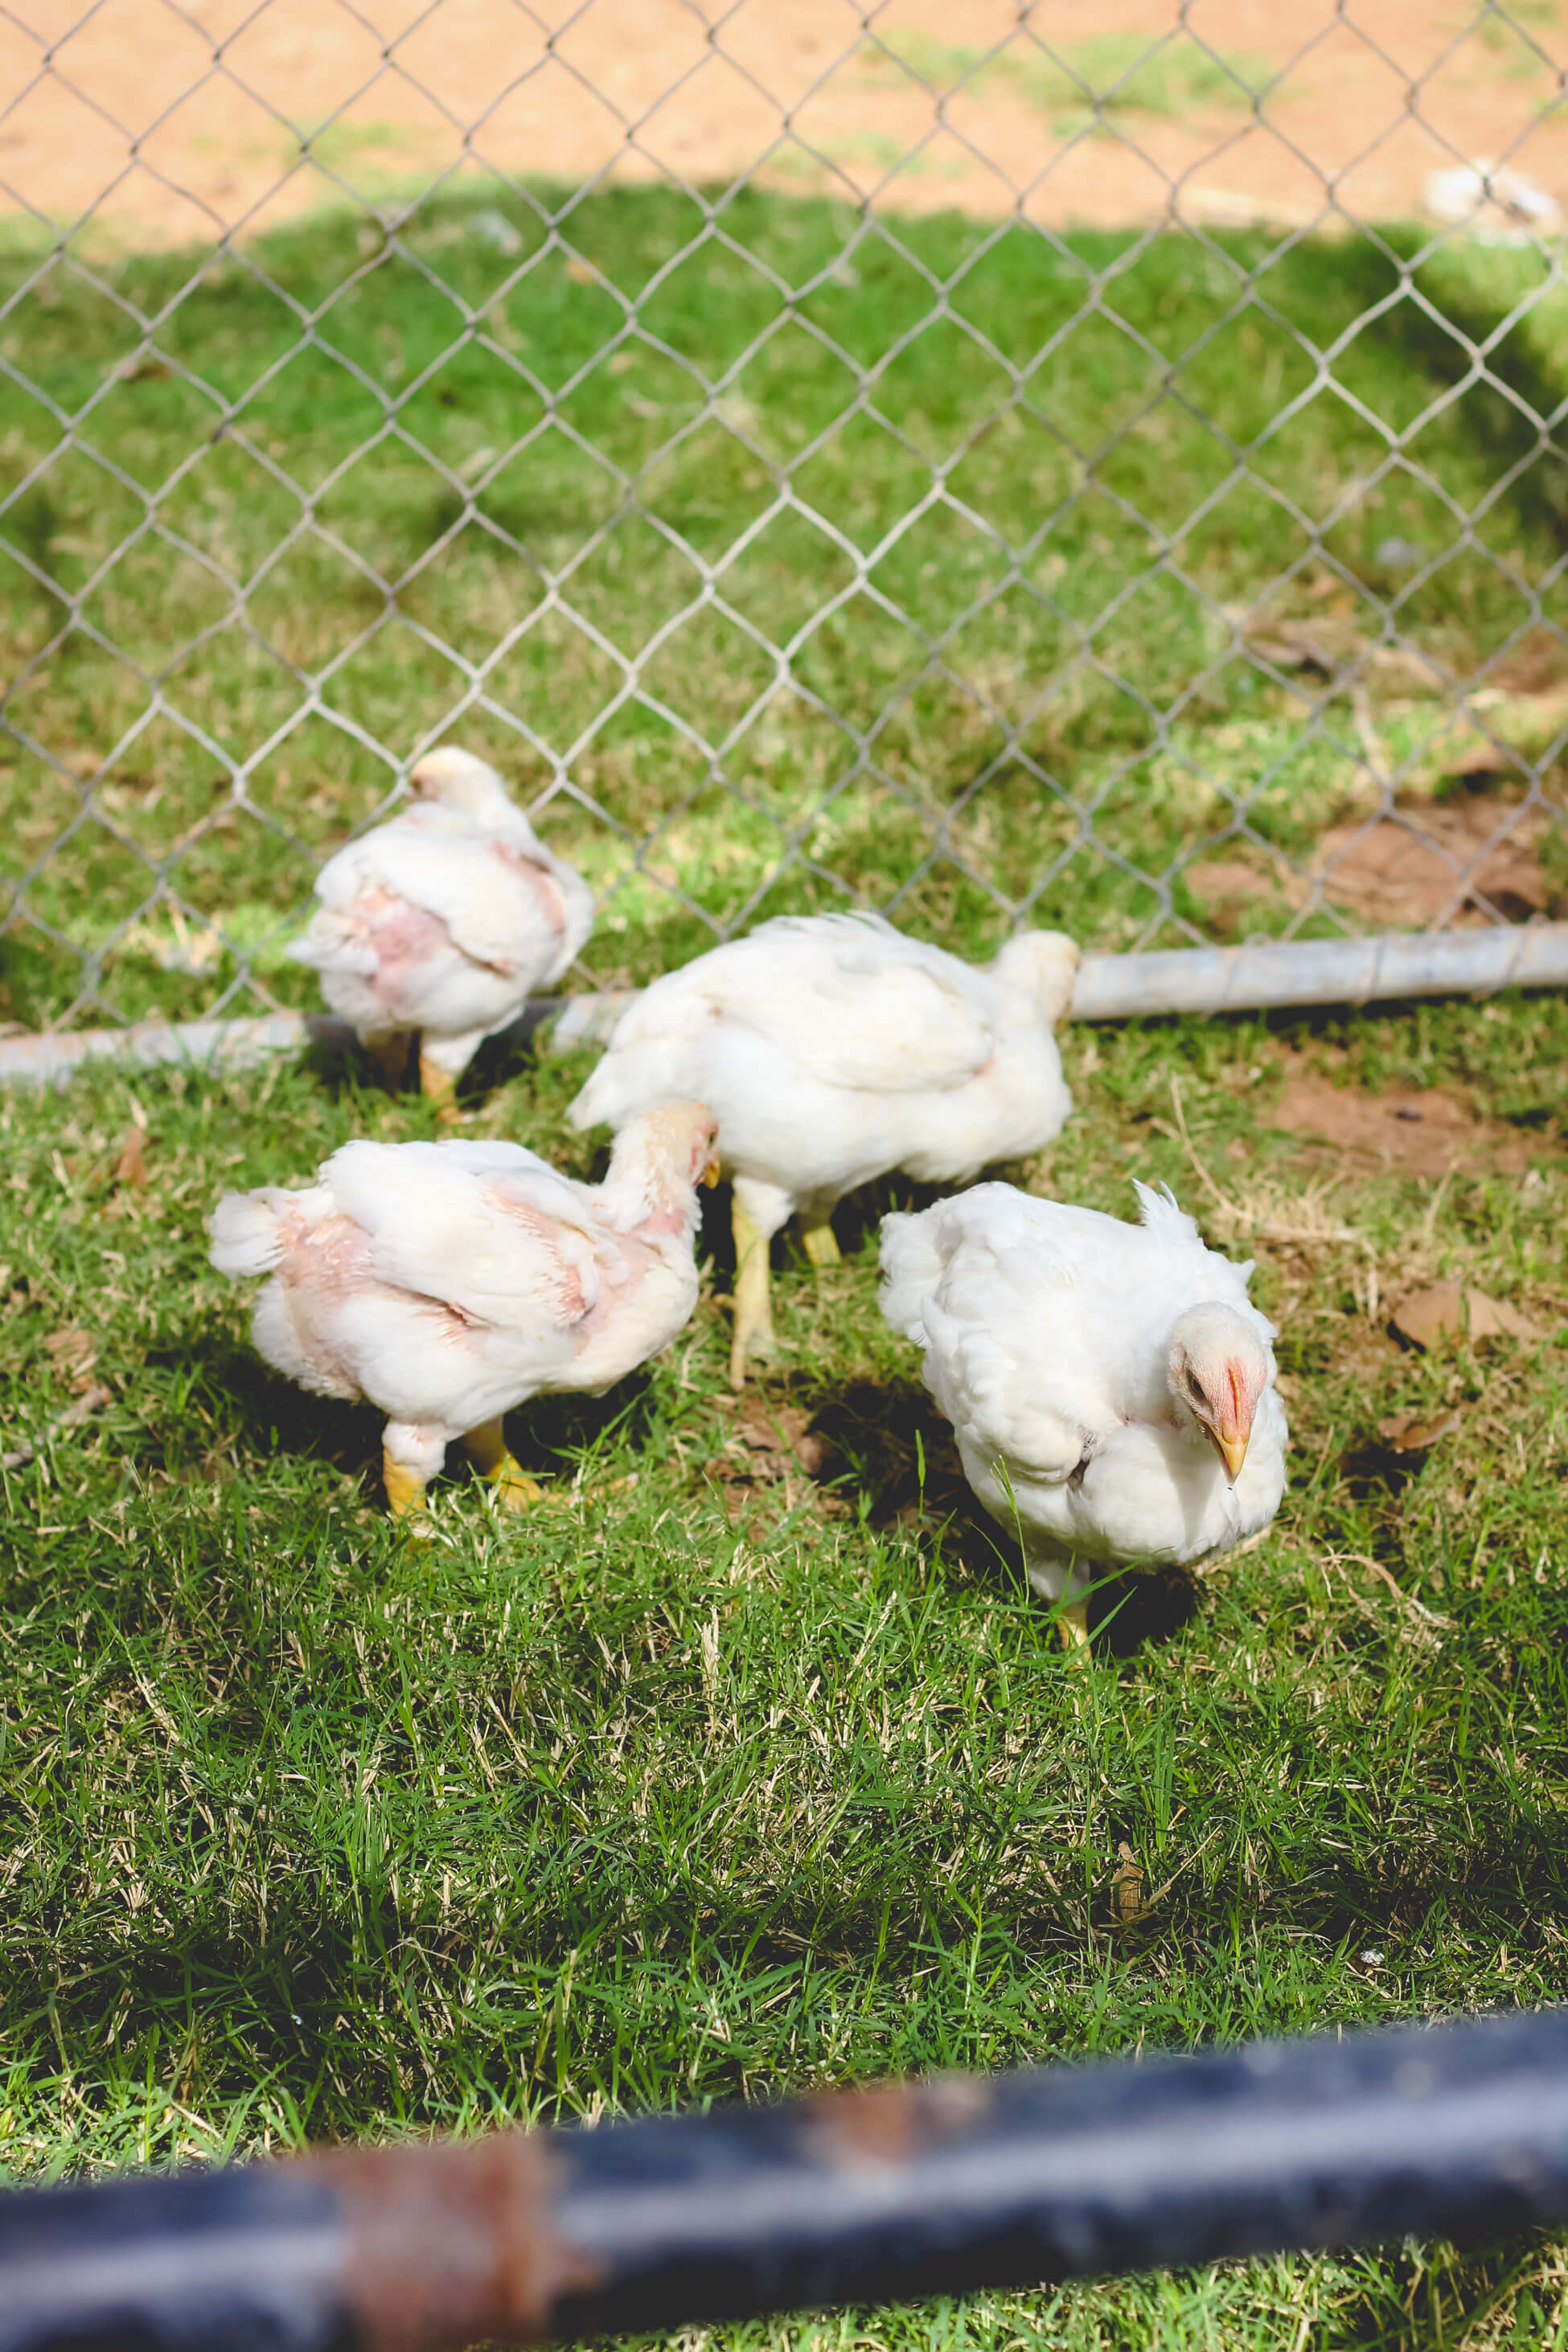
[
  {"x": 273, "y": 1416},
  {"x": 341, "y": 1065},
  {"x": 1374, "y": 1472},
  {"x": 268, "y": 1414},
  {"x": 903, "y": 1456},
  {"x": 334, "y": 1058}
]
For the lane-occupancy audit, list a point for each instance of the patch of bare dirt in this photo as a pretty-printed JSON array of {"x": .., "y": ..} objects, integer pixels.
[
  {"x": 1411, "y": 1131},
  {"x": 1538, "y": 664},
  {"x": 183, "y": 125},
  {"x": 1475, "y": 858},
  {"x": 774, "y": 1444},
  {"x": 1447, "y": 862}
]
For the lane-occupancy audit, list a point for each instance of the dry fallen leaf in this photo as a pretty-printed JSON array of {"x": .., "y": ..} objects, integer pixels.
[
  {"x": 1127, "y": 1886},
  {"x": 131, "y": 1167},
  {"x": 782, "y": 1433},
  {"x": 773, "y": 1443},
  {"x": 1416, "y": 1432},
  {"x": 1325, "y": 644},
  {"x": 1447, "y": 1310}
]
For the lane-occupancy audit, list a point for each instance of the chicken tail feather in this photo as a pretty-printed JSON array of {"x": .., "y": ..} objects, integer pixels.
[{"x": 246, "y": 1235}]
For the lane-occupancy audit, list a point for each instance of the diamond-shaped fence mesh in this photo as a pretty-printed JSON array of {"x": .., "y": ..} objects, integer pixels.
[{"x": 998, "y": 464}]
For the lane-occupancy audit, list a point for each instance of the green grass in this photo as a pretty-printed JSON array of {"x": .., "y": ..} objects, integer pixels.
[
  {"x": 727, "y": 1782},
  {"x": 502, "y": 489},
  {"x": 1518, "y": 30},
  {"x": 1112, "y": 74},
  {"x": 1117, "y": 74}
]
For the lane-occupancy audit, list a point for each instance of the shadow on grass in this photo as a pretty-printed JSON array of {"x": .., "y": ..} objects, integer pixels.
[
  {"x": 341, "y": 1065},
  {"x": 284, "y": 1988},
  {"x": 905, "y": 1459},
  {"x": 1534, "y": 471},
  {"x": 271, "y": 1416}
]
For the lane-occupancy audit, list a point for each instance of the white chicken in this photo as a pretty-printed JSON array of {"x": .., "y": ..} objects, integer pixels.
[
  {"x": 1111, "y": 1386},
  {"x": 831, "y": 1049},
  {"x": 444, "y": 920},
  {"x": 445, "y": 1282}
]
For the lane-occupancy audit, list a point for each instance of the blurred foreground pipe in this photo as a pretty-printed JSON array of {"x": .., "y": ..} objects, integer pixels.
[
  {"x": 868, "y": 2196},
  {"x": 1109, "y": 987}
]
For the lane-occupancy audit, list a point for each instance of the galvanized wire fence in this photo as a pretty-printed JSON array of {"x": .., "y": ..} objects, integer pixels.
[{"x": 820, "y": 459}]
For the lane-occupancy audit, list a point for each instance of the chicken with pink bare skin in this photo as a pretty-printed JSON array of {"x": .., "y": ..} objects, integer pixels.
[
  {"x": 443, "y": 922},
  {"x": 1111, "y": 1386},
  {"x": 445, "y": 1282}
]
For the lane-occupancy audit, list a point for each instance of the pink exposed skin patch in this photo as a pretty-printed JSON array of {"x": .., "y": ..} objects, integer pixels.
[
  {"x": 332, "y": 1256},
  {"x": 668, "y": 1219},
  {"x": 671, "y": 1205},
  {"x": 321, "y": 1267},
  {"x": 402, "y": 938},
  {"x": 615, "y": 1299}
]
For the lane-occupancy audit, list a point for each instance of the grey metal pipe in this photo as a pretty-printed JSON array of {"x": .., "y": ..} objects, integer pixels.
[
  {"x": 1322, "y": 971},
  {"x": 864, "y": 2197},
  {"x": 1109, "y": 988}
]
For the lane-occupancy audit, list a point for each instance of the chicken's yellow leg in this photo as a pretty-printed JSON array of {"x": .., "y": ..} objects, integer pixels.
[
  {"x": 487, "y": 1449},
  {"x": 405, "y": 1487},
  {"x": 820, "y": 1246},
  {"x": 1072, "y": 1626},
  {"x": 754, "y": 1334},
  {"x": 438, "y": 1086}
]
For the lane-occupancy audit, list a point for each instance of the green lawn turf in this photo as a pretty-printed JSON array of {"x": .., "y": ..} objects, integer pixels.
[
  {"x": 317, "y": 502},
  {"x": 711, "y": 1777}
]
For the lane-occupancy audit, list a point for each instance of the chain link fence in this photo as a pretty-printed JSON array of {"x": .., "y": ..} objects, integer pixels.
[{"x": 977, "y": 464}]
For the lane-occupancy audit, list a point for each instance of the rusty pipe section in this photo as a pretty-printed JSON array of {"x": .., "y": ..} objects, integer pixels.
[{"x": 867, "y": 2197}]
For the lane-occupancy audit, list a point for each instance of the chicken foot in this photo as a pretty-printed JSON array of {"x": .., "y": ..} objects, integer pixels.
[
  {"x": 442, "y": 1061},
  {"x": 438, "y": 1086},
  {"x": 1072, "y": 1629},
  {"x": 753, "y": 1333},
  {"x": 1054, "y": 1580},
  {"x": 821, "y": 1247},
  {"x": 487, "y": 1449},
  {"x": 410, "y": 1456},
  {"x": 405, "y": 1486}
]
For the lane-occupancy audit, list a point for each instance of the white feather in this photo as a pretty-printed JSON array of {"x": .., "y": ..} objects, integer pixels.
[
  {"x": 448, "y": 1282},
  {"x": 832, "y": 1049},
  {"x": 446, "y": 919},
  {"x": 246, "y": 1237},
  {"x": 1046, "y": 1332}
]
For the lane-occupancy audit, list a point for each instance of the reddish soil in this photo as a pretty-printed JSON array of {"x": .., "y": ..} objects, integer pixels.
[
  {"x": 1429, "y": 865},
  {"x": 1448, "y": 863},
  {"x": 1410, "y": 1131},
  {"x": 176, "y": 126}
]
